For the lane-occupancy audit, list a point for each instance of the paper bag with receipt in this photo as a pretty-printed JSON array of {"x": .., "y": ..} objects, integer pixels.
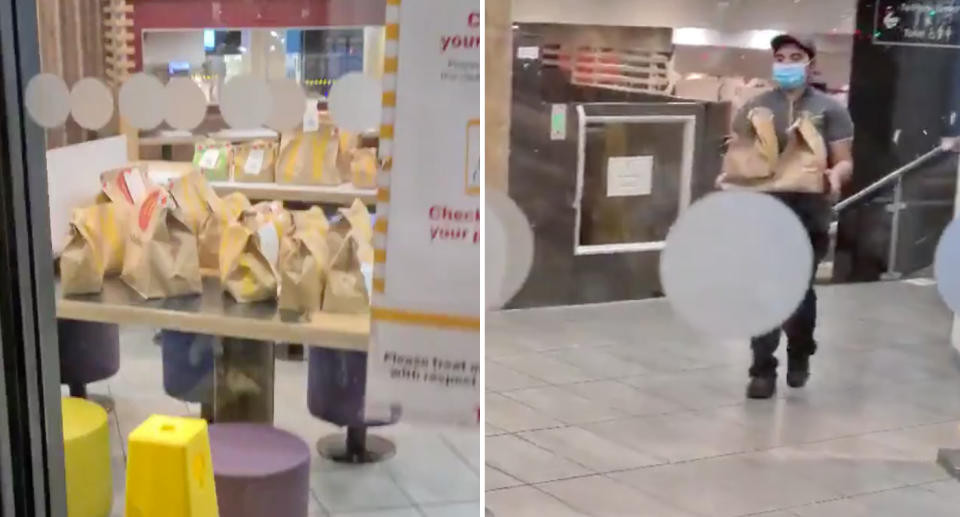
[
  {"x": 161, "y": 253},
  {"x": 248, "y": 255}
]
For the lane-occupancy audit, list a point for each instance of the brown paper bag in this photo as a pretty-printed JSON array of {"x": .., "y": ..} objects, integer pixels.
[
  {"x": 94, "y": 249},
  {"x": 348, "y": 144},
  {"x": 363, "y": 168},
  {"x": 309, "y": 158},
  {"x": 161, "y": 254},
  {"x": 223, "y": 211},
  {"x": 254, "y": 162},
  {"x": 304, "y": 261},
  {"x": 192, "y": 195},
  {"x": 752, "y": 159},
  {"x": 81, "y": 267},
  {"x": 802, "y": 166},
  {"x": 248, "y": 255},
  {"x": 345, "y": 290},
  {"x": 355, "y": 220}
]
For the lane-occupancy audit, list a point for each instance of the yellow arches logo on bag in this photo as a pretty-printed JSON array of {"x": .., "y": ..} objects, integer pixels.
[
  {"x": 320, "y": 141},
  {"x": 290, "y": 164},
  {"x": 310, "y": 158}
]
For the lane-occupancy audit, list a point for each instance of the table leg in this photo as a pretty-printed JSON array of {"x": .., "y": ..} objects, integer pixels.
[{"x": 243, "y": 381}]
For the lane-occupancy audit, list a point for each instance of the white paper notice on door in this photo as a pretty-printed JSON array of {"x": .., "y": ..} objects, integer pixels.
[{"x": 629, "y": 176}]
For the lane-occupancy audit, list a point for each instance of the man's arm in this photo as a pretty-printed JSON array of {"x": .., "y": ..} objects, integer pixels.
[
  {"x": 839, "y": 134},
  {"x": 841, "y": 164}
]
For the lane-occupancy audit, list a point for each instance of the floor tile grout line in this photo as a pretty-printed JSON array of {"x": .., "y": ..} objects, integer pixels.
[
  {"x": 704, "y": 458},
  {"x": 463, "y": 459}
]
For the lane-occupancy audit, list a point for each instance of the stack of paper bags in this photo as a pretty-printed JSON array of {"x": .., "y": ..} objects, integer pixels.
[{"x": 96, "y": 245}]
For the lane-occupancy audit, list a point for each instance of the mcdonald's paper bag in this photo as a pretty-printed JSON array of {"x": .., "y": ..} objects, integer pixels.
[
  {"x": 223, "y": 211},
  {"x": 254, "y": 161},
  {"x": 304, "y": 261},
  {"x": 309, "y": 158},
  {"x": 248, "y": 255},
  {"x": 213, "y": 159},
  {"x": 802, "y": 166},
  {"x": 345, "y": 290},
  {"x": 161, "y": 254},
  {"x": 356, "y": 221},
  {"x": 363, "y": 168},
  {"x": 751, "y": 158},
  {"x": 349, "y": 142},
  {"x": 94, "y": 248},
  {"x": 127, "y": 186},
  {"x": 192, "y": 195}
]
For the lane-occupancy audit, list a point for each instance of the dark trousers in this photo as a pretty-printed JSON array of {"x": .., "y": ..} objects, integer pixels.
[{"x": 814, "y": 212}]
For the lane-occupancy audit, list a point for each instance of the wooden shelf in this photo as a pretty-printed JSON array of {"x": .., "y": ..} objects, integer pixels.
[
  {"x": 161, "y": 172},
  {"x": 216, "y": 313},
  {"x": 340, "y": 195},
  {"x": 173, "y": 137}
]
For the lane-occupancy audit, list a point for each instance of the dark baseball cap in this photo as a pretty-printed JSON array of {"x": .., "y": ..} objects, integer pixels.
[{"x": 806, "y": 44}]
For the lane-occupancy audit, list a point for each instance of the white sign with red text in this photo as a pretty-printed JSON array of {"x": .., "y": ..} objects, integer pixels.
[{"x": 425, "y": 350}]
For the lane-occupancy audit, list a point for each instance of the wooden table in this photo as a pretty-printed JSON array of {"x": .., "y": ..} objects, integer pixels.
[{"x": 248, "y": 334}]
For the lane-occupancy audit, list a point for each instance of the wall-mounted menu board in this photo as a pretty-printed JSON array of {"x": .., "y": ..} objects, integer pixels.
[{"x": 925, "y": 23}]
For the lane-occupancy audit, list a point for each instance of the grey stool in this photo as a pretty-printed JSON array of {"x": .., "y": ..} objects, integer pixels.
[
  {"x": 259, "y": 471},
  {"x": 89, "y": 352},
  {"x": 336, "y": 384}
]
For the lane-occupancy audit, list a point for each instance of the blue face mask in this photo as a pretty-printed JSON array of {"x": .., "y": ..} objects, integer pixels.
[{"x": 790, "y": 76}]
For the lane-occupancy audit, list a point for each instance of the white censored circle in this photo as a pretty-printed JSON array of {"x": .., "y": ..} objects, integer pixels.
[
  {"x": 186, "y": 105},
  {"x": 946, "y": 266},
  {"x": 47, "y": 100},
  {"x": 91, "y": 103},
  {"x": 356, "y": 101},
  {"x": 509, "y": 247},
  {"x": 287, "y": 108},
  {"x": 142, "y": 101},
  {"x": 736, "y": 264},
  {"x": 245, "y": 102}
]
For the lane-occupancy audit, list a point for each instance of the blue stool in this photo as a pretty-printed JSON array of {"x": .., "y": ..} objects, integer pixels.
[
  {"x": 188, "y": 367},
  {"x": 336, "y": 383},
  {"x": 89, "y": 352}
]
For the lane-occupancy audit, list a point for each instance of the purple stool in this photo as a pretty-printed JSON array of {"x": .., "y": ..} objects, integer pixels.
[
  {"x": 89, "y": 352},
  {"x": 260, "y": 471},
  {"x": 336, "y": 386}
]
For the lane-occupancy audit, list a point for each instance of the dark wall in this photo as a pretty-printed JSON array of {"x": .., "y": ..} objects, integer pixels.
[
  {"x": 542, "y": 181},
  {"x": 914, "y": 91}
]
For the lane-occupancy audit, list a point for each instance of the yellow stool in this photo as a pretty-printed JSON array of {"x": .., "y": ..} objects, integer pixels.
[
  {"x": 86, "y": 458},
  {"x": 169, "y": 473}
]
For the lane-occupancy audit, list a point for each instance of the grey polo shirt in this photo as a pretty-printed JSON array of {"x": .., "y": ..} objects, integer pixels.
[{"x": 829, "y": 115}]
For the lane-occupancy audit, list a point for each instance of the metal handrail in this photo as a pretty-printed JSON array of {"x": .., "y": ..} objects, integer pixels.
[{"x": 889, "y": 178}]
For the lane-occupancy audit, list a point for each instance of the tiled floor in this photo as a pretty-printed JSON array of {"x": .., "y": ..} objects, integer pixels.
[
  {"x": 620, "y": 410},
  {"x": 436, "y": 473}
]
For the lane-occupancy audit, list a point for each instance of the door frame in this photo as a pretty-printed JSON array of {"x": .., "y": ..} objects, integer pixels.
[{"x": 31, "y": 438}]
